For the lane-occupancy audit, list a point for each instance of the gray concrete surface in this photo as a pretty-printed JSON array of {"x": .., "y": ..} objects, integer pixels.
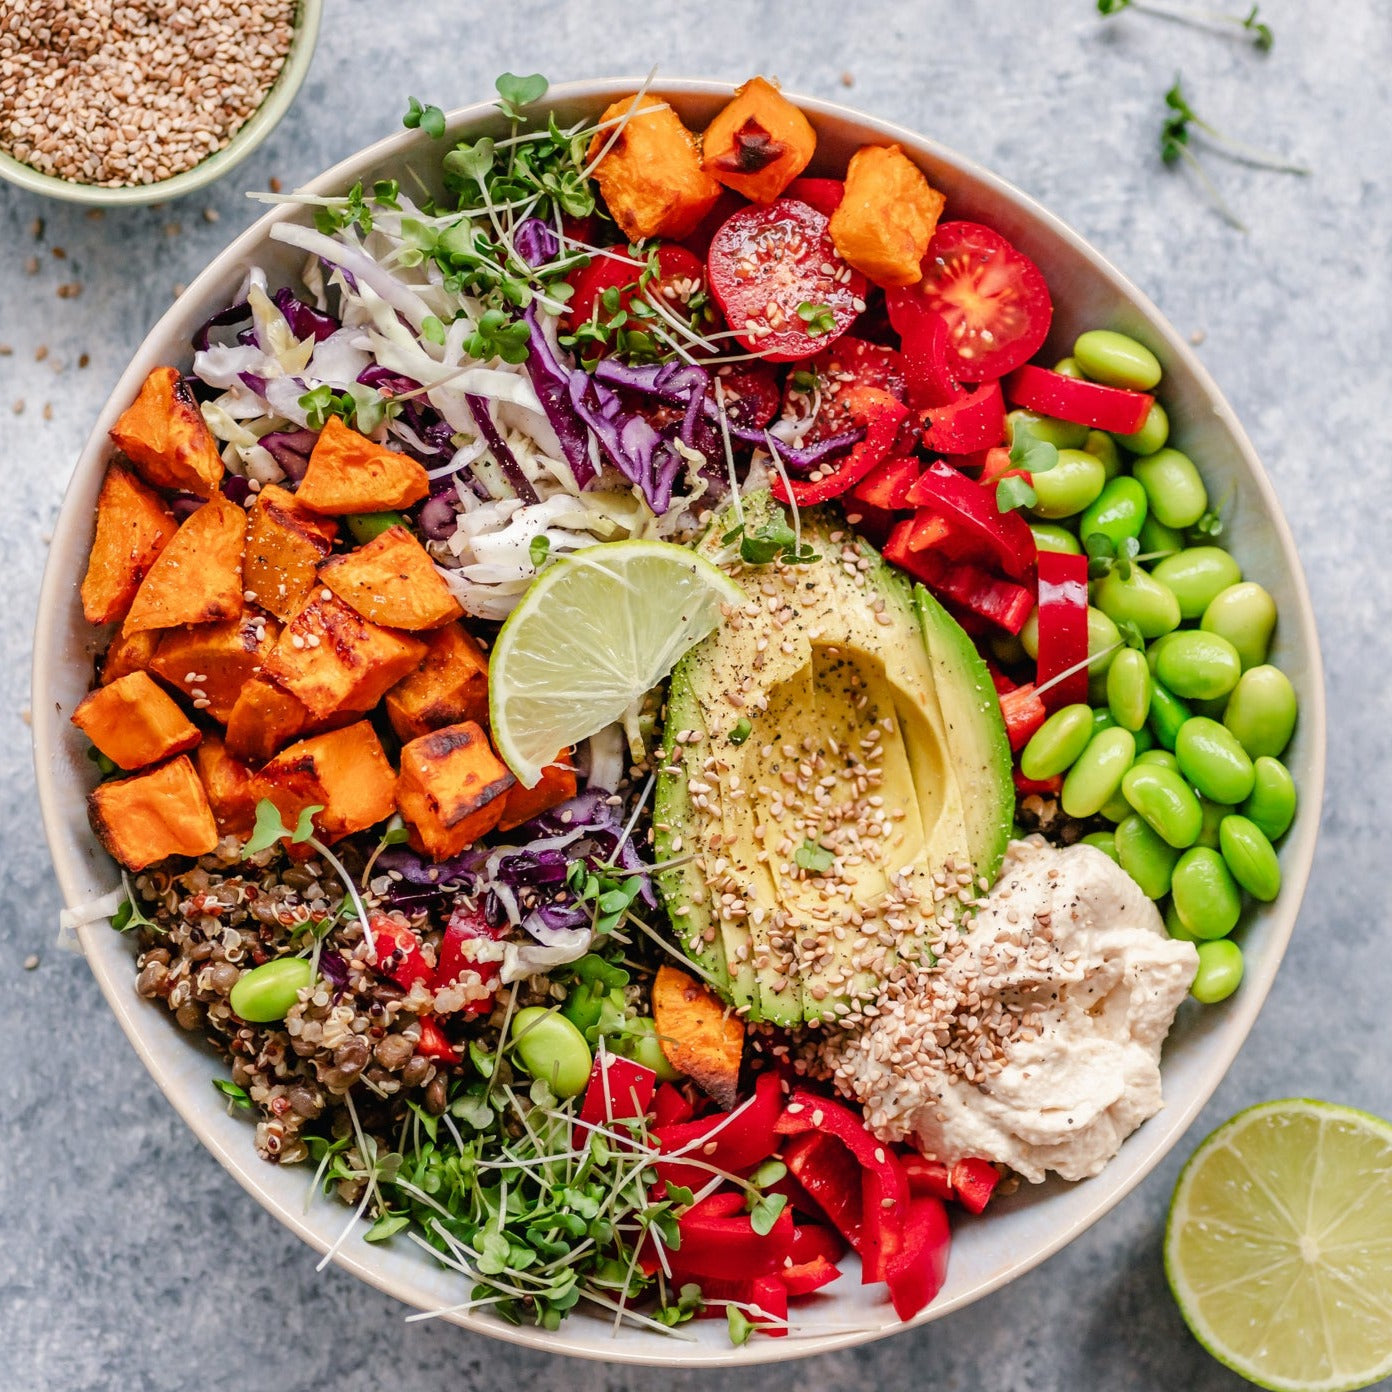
[{"x": 127, "y": 1260}]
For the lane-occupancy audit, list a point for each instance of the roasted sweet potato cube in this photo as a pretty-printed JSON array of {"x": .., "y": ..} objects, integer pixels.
[
  {"x": 198, "y": 576},
  {"x": 133, "y": 527},
  {"x": 334, "y": 660},
  {"x": 263, "y": 720},
  {"x": 163, "y": 433},
  {"x": 556, "y": 785},
  {"x": 211, "y": 663},
  {"x": 349, "y": 473},
  {"x": 392, "y": 581},
  {"x": 154, "y": 815},
  {"x": 229, "y": 785},
  {"x": 887, "y": 217},
  {"x": 135, "y": 722},
  {"x": 449, "y": 686},
  {"x": 345, "y": 771},
  {"x": 285, "y": 543},
  {"x": 652, "y": 178},
  {"x": 452, "y": 789},
  {"x": 697, "y": 1033},
  {"x": 128, "y": 652},
  {"x": 759, "y": 143}
]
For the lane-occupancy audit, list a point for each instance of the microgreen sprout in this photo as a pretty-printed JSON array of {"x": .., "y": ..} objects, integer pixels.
[
  {"x": 516, "y": 92},
  {"x": 130, "y": 914},
  {"x": 106, "y": 767},
  {"x": 238, "y": 1099},
  {"x": 818, "y": 318},
  {"x": 430, "y": 119},
  {"x": 358, "y": 405},
  {"x": 740, "y": 730},
  {"x": 1032, "y": 455},
  {"x": 1106, "y": 556},
  {"x": 815, "y": 859},
  {"x": 1249, "y": 26},
  {"x": 538, "y": 549}
]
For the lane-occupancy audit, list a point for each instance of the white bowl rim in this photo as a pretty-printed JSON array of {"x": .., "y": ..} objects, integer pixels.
[{"x": 1160, "y": 1133}]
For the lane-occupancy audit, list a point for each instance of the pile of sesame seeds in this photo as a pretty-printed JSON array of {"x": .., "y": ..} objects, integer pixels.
[{"x": 115, "y": 94}]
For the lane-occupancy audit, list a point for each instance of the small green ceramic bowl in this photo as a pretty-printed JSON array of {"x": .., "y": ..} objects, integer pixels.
[{"x": 262, "y": 122}]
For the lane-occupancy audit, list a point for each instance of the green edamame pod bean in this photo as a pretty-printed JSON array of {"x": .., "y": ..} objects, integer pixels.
[
  {"x": 1057, "y": 742},
  {"x": 1137, "y": 599},
  {"x": 640, "y": 1043},
  {"x": 1103, "y": 637},
  {"x": 1158, "y": 540},
  {"x": 1070, "y": 485},
  {"x": 1145, "y": 741},
  {"x": 550, "y": 1047},
  {"x": 367, "y": 526},
  {"x": 1196, "y": 576},
  {"x": 1261, "y": 711},
  {"x": 1151, "y": 437},
  {"x": 1097, "y": 773},
  {"x": 1068, "y": 367},
  {"x": 1250, "y": 857},
  {"x": 1220, "y": 971},
  {"x": 1161, "y": 758},
  {"x": 1174, "y": 927},
  {"x": 1102, "y": 841},
  {"x": 1029, "y": 634},
  {"x": 1176, "y": 492},
  {"x": 1206, "y": 896},
  {"x": 1050, "y": 537},
  {"x": 1128, "y": 689},
  {"x": 1199, "y": 665},
  {"x": 1118, "y": 512},
  {"x": 1060, "y": 434},
  {"x": 1213, "y": 814},
  {"x": 1116, "y": 808},
  {"x": 1102, "y": 445},
  {"x": 266, "y": 993},
  {"x": 1167, "y": 714},
  {"x": 1211, "y": 758},
  {"x": 1116, "y": 360},
  {"x": 1166, "y": 801},
  {"x": 1007, "y": 649},
  {"x": 1102, "y": 720},
  {"x": 1245, "y": 615},
  {"x": 1271, "y": 807},
  {"x": 1147, "y": 857}
]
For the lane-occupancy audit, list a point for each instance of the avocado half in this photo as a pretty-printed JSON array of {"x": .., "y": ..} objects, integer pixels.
[{"x": 832, "y": 750}]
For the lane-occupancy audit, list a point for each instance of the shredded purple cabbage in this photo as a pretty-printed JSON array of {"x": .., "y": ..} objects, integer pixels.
[
  {"x": 535, "y": 242},
  {"x": 236, "y": 488},
  {"x": 802, "y": 460},
  {"x": 291, "y": 450},
  {"x": 305, "y": 321},
  {"x": 439, "y": 514},
  {"x": 551, "y": 378},
  {"x": 498, "y": 448},
  {"x": 234, "y": 314}
]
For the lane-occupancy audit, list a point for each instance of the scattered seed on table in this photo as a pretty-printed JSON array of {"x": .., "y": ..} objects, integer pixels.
[
  {"x": 48, "y": 411},
  {"x": 60, "y": 254},
  {"x": 5, "y": 350},
  {"x": 18, "y": 407},
  {"x": 31, "y": 961},
  {"x": 31, "y": 266},
  {"x": 41, "y": 352},
  {"x": 275, "y": 184},
  {"x": 211, "y": 215},
  {"x": 84, "y": 359},
  {"x": 69, "y": 289}
]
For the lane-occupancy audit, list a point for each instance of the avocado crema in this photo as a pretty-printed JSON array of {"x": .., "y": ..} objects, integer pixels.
[{"x": 836, "y": 782}]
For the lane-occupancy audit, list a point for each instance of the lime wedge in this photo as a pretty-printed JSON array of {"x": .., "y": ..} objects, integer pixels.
[
  {"x": 598, "y": 629},
  {"x": 1279, "y": 1246}
]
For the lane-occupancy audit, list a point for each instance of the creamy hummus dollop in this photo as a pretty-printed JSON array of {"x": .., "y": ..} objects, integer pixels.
[{"x": 1034, "y": 1040}]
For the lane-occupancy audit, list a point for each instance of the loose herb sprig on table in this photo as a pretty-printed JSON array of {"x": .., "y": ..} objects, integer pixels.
[{"x": 1247, "y": 26}]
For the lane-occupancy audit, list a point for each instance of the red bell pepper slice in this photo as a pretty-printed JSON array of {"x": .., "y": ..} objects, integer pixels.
[
  {"x": 399, "y": 953},
  {"x": 467, "y": 926},
  {"x": 830, "y": 1176},
  {"x": 1116, "y": 409},
  {"x": 972, "y": 508},
  {"x": 1063, "y": 628},
  {"x": 974, "y": 1181},
  {"x": 733, "y": 1145},
  {"x": 618, "y": 1088},
  {"x": 671, "y": 1105},
  {"x": 1042, "y": 787},
  {"x": 874, "y": 524},
  {"x": 996, "y": 465},
  {"x": 975, "y": 591},
  {"x": 887, "y": 485},
  {"x": 929, "y": 1179},
  {"x": 811, "y": 1240},
  {"x": 718, "y": 1238},
  {"x": 923, "y": 338},
  {"x": 917, "y": 1271},
  {"x": 881, "y": 415},
  {"x": 433, "y": 1044},
  {"x": 768, "y": 1293},
  {"x": 1023, "y": 713},
  {"x": 802, "y": 1278},
  {"x": 975, "y": 421}
]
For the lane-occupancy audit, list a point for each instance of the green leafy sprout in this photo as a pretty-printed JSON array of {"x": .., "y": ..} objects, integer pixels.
[
  {"x": 819, "y": 318},
  {"x": 1106, "y": 556},
  {"x": 815, "y": 859},
  {"x": 774, "y": 541},
  {"x": 1034, "y": 456},
  {"x": 430, "y": 119},
  {"x": 1249, "y": 26},
  {"x": 358, "y": 405}
]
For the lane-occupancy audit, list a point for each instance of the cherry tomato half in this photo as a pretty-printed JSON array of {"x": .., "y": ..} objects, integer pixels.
[
  {"x": 995, "y": 300},
  {"x": 751, "y": 392},
  {"x": 849, "y": 362},
  {"x": 680, "y": 275},
  {"x": 767, "y": 264}
]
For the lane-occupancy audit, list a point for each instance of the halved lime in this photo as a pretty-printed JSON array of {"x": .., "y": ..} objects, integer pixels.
[
  {"x": 1279, "y": 1246},
  {"x": 598, "y": 629}
]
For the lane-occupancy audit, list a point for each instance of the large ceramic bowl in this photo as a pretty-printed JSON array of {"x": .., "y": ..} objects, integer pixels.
[{"x": 1019, "y": 1232}]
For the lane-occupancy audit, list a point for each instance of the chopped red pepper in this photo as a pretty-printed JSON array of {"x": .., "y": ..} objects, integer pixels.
[
  {"x": 887, "y": 485},
  {"x": 812, "y": 1240},
  {"x": 923, "y": 337},
  {"x": 1116, "y": 409},
  {"x": 1063, "y": 628},
  {"x": 975, "y": 421},
  {"x": 881, "y": 415},
  {"x": 802, "y": 1278},
  {"x": 433, "y": 1044},
  {"x": 671, "y": 1105},
  {"x": 399, "y": 953},
  {"x": 928, "y": 531},
  {"x": 734, "y": 1146},
  {"x": 927, "y": 1178},
  {"x": 977, "y": 592},
  {"x": 1043, "y": 787},
  {"x": 974, "y": 1182},
  {"x": 996, "y": 466},
  {"x": 917, "y": 1271},
  {"x": 768, "y": 1293},
  {"x": 972, "y": 509},
  {"x": 467, "y": 925},
  {"x": 718, "y": 1238},
  {"x": 830, "y": 1176},
  {"x": 874, "y": 524},
  {"x": 618, "y": 1087},
  {"x": 1023, "y": 712}
]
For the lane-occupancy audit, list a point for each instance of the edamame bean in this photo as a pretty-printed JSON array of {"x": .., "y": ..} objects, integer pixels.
[
  {"x": 1102, "y": 720},
  {"x": 1199, "y": 665},
  {"x": 1206, "y": 896},
  {"x": 1145, "y": 741},
  {"x": 1068, "y": 367},
  {"x": 1118, "y": 513},
  {"x": 266, "y": 993},
  {"x": 1102, "y": 445},
  {"x": 1050, "y": 537},
  {"x": 1128, "y": 689},
  {"x": 1158, "y": 540},
  {"x": 1167, "y": 714},
  {"x": 1116, "y": 359},
  {"x": 1060, "y": 434},
  {"x": 1102, "y": 841},
  {"x": 1057, "y": 743},
  {"x": 1103, "y": 637},
  {"x": 1173, "y": 486},
  {"x": 1213, "y": 814},
  {"x": 1147, "y": 857},
  {"x": 367, "y": 526},
  {"x": 1196, "y": 576},
  {"x": 1097, "y": 773},
  {"x": 1271, "y": 806},
  {"x": 1174, "y": 927},
  {"x": 1116, "y": 808},
  {"x": 1161, "y": 758},
  {"x": 1070, "y": 485},
  {"x": 549, "y": 1047},
  {"x": 1137, "y": 599},
  {"x": 640, "y": 1043},
  {"x": 1029, "y": 634},
  {"x": 1250, "y": 857},
  {"x": 1220, "y": 971},
  {"x": 1165, "y": 800},
  {"x": 1007, "y": 649},
  {"x": 1261, "y": 711},
  {"x": 1211, "y": 758},
  {"x": 1151, "y": 437},
  {"x": 1245, "y": 615}
]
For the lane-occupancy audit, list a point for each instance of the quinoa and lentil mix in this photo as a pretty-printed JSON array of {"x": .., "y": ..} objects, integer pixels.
[{"x": 114, "y": 94}]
